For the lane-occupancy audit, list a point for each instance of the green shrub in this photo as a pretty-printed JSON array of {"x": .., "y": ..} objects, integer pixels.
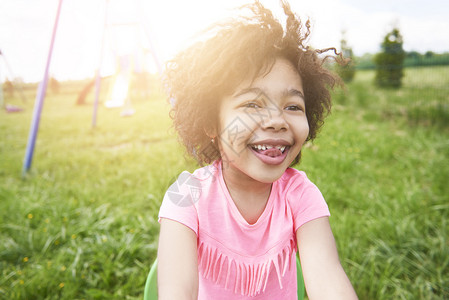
[{"x": 390, "y": 62}]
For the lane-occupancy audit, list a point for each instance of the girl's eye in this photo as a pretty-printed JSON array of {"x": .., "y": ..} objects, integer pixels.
[
  {"x": 294, "y": 108},
  {"x": 252, "y": 105}
]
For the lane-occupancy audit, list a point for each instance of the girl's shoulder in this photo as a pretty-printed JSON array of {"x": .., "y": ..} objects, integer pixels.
[
  {"x": 296, "y": 183},
  {"x": 207, "y": 172},
  {"x": 294, "y": 176}
]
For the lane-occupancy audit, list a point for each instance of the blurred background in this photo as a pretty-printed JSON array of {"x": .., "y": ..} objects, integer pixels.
[{"x": 26, "y": 27}]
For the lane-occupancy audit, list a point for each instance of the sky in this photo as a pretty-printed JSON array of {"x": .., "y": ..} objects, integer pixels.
[{"x": 166, "y": 26}]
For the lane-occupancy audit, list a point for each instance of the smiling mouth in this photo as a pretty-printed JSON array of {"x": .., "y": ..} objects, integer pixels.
[{"x": 270, "y": 150}]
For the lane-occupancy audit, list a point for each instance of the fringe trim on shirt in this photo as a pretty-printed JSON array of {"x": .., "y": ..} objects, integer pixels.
[{"x": 250, "y": 279}]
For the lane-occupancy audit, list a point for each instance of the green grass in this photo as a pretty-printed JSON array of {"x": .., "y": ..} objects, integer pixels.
[{"x": 83, "y": 223}]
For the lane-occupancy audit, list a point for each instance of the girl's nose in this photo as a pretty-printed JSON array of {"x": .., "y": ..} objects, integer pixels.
[{"x": 276, "y": 121}]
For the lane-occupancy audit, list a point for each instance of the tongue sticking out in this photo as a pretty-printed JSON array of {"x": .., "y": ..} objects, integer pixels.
[{"x": 273, "y": 152}]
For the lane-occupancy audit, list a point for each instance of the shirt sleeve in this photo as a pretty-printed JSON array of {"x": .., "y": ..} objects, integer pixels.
[
  {"x": 179, "y": 203},
  {"x": 307, "y": 203}
]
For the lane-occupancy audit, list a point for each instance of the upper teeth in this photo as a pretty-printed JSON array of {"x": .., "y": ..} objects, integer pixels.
[{"x": 265, "y": 147}]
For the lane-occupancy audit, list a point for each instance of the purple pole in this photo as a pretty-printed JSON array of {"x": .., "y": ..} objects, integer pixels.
[
  {"x": 98, "y": 75},
  {"x": 39, "y": 102}
]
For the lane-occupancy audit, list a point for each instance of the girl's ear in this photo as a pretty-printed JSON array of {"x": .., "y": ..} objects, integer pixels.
[{"x": 211, "y": 131}]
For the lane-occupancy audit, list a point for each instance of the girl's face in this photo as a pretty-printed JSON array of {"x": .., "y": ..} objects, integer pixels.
[{"x": 263, "y": 125}]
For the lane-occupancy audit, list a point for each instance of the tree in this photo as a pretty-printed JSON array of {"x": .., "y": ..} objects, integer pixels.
[
  {"x": 390, "y": 62},
  {"x": 9, "y": 88},
  {"x": 54, "y": 85},
  {"x": 347, "y": 70},
  {"x": 429, "y": 54}
]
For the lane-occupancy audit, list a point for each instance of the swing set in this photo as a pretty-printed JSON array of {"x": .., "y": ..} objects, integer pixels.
[
  {"x": 11, "y": 87},
  {"x": 121, "y": 80}
]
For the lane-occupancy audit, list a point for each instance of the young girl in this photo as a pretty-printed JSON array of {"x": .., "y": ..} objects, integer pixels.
[{"x": 245, "y": 102}]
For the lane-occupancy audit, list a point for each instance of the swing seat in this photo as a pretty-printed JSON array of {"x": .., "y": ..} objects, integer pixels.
[{"x": 150, "y": 292}]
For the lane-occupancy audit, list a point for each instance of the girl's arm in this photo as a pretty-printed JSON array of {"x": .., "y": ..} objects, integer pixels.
[
  {"x": 324, "y": 276},
  {"x": 177, "y": 261}
]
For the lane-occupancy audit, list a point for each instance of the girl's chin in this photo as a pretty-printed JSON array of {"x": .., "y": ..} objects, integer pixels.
[{"x": 262, "y": 174}]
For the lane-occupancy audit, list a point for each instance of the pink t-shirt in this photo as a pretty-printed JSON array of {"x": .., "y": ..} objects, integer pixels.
[{"x": 238, "y": 260}]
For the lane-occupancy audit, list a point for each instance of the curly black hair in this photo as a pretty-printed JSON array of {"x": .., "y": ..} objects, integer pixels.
[{"x": 199, "y": 77}]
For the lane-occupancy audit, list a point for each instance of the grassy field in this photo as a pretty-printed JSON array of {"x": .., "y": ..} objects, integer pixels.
[{"x": 83, "y": 223}]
